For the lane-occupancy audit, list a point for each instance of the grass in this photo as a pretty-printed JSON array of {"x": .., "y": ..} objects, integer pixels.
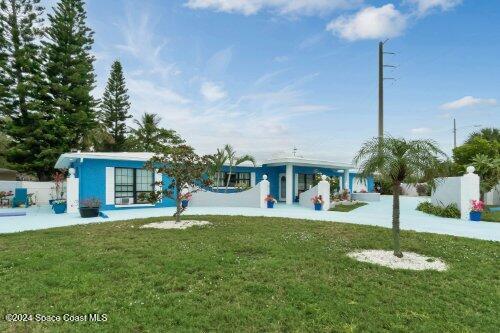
[
  {"x": 244, "y": 274},
  {"x": 490, "y": 216},
  {"x": 347, "y": 208}
]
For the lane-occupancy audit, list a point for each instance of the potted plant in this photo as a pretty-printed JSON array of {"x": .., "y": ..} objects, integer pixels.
[
  {"x": 318, "y": 202},
  {"x": 270, "y": 201},
  {"x": 477, "y": 207},
  {"x": 185, "y": 198},
  {"x": 90, "y": 207},
  {"x": 59, "y": 206}
]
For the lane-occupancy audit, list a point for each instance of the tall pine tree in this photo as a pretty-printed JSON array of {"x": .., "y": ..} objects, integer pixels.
[
  {"x": 22, "y": 81},
  {"x": 70, "y": 74},
  {"x": 114, "y": 109}
]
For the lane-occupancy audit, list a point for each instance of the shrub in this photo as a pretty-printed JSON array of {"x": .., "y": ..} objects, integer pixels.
[{"x": 450, "y": 211}]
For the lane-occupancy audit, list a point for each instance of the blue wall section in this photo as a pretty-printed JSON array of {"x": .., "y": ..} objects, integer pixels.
[{"x": 92, "y": 174}]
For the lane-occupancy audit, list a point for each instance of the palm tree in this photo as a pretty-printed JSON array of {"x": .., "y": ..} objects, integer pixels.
[
  {"x": 399, "y": 161},
  {"x": 217, "y": 161},
  {"x": 149, "y": 136},
  {"x": 235, "y": 160}
]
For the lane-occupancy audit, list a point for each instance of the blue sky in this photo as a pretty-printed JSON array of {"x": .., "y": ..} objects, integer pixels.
[{"x": 268, "y": 75}]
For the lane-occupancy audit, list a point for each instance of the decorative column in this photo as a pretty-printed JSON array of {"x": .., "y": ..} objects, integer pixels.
[
  {"x": 324, "y": 191},
  {"x": 346, "y": 179},
  {"x": 72, "y": 192},
  {"x": 264, "y": 191},
  {"x": 469, "y": 190},
  {"x": 289, "y": 184}
]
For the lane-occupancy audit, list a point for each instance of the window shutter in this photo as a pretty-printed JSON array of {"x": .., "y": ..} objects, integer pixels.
[
  {"x": 158, "y": 178},
  {"x": 110, "y": 186},
  {"x": 252, "y": 179}
]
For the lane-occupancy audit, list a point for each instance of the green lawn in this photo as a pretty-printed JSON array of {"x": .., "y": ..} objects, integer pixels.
[
  {"x": 244, "y": 274},
  {"x": 347, "y": 208}
]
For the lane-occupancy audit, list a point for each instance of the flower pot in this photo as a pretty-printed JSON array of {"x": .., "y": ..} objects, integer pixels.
[
  {"x": 318, "y": 206},
  {"x": 184, "y": 203},
  {"x": 59, "y": 208},
  {"x": 86, "y": 212},
  {"x": 270, "y": 204},
  {"x": 475, "y": 216}
]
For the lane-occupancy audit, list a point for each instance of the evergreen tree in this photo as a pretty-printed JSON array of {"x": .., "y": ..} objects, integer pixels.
[
  {"x": 114, "y": 108},
  {"x": 21, "y": 80},
  {"x": 70, "y": 74}
]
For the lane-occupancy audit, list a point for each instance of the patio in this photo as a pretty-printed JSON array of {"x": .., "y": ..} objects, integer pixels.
[{"x": 375, "y": 213}]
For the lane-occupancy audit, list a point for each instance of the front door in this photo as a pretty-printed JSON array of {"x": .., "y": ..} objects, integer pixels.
[{"x": 282, "y": 187}]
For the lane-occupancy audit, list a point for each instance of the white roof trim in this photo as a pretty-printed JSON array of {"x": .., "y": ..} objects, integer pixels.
[
  {"x": 65, "y": 160},
  {"x": 307, "y": 162}
]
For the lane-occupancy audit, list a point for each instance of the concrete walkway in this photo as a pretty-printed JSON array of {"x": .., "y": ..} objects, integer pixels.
[{"x": 377, "y": 214}]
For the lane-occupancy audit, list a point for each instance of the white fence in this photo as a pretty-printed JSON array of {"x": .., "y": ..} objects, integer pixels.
[
  {"x": 457, "y": 190},
  {"x": 253, "y": 197},
  {"x": 42, "y": 191},
  {"x": 323, "y": 189}
]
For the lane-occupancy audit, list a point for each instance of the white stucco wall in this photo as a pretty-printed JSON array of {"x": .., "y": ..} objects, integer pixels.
[
  {"x": 368, "y": 197},
  {"x": 43, "y": 191},
  {"x": 409, "y": 190},
  {"x": 457, "y": 190},
  {"x": 493, "y": 196},
  {"x": 323, "y": 189},
  {"x": 253, "y": 197}
]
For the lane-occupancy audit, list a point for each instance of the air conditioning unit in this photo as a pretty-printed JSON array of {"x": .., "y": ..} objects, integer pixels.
[{"x": 124, "y": 201}]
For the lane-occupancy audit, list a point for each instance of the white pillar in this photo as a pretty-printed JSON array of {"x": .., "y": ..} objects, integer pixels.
[
  {"x": 289, "y": 184},
  {"x": 264, "y": 191},
  {"x": 346, "y": 179},
  {"x": 469, "y": 190},
  {"x": 324, "y": 191},
  {"x": 341, "y": 184},
  {"x": 72, "y": 192}
]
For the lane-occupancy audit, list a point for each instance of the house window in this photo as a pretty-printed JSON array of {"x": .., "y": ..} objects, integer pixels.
[
  {"x": 305, "y": 182},
  {"x": 235, "y": 179},
  {"x": 131, "y": 183}
]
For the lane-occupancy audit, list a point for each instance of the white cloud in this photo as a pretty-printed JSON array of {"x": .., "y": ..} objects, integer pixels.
[
  {"x": 468, "y": 101},
  {"x": 370, "y": 23},
  {"x": 421, "y": 130},
  {"x": 212, "y": 92},
  {"x": 283, "y": 7},
  {"x": 140, "y": 42},
  {"x": 424, "y": 6}
]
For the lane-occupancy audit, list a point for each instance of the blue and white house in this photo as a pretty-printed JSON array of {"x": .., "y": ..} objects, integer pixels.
[{"x": 118, "y": 179}]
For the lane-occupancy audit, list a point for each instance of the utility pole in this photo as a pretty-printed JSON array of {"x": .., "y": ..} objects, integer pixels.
[
  {"x": 454, "y": 133},
  {"x": 381, "y": 79}
]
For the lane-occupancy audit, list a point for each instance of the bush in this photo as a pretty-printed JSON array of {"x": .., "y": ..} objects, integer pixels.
[{"x": 451, "y": 210}]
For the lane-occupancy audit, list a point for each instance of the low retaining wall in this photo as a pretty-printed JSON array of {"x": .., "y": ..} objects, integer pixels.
[
  {"x": 368, "y": 197},
  {"x": 323, "y": 189},
  {"x": 43, "y": 191},
  {"x": 253, "y": 197},
  {"x": 457, "y": 190}
]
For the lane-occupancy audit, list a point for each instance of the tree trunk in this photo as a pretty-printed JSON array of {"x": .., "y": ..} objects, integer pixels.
[
  {"x": 178, "y": 210},
  {"x": 228, "y": 177},
  {"x": 395, "y": 220}
]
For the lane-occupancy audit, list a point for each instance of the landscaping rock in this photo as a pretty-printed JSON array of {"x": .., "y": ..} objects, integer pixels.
[{"x": 410, "y": 260}]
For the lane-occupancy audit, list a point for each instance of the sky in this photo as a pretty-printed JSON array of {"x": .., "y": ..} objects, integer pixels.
[{"x": 270, "y": 75}]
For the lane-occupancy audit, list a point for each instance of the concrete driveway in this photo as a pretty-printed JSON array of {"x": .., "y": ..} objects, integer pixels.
[{"x": 376, "y": 213}]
